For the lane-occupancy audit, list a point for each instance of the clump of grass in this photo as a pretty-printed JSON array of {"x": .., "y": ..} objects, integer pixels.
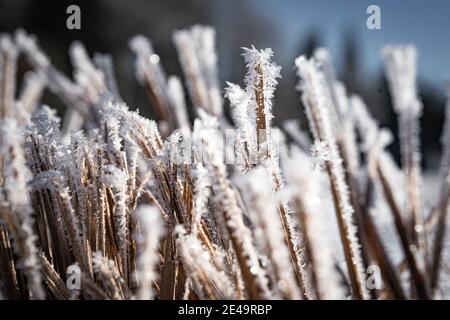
[{"x": 164, "y": 209}]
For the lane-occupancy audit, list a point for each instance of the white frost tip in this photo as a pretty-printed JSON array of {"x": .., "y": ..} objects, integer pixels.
[{"x": 320, "y": 151}]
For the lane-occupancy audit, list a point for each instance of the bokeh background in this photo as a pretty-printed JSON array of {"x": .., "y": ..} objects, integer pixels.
[{"x": 289, "y": 27}]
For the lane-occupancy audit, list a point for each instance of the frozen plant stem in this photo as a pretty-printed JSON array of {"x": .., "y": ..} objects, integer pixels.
[
  {"x": 260, "y": 114},
  {"x": 8, "y": 65},
  {"x": 400, "y": 64},
  {"x": 443, "y": 201},
  {"x": 253, "y": 274},
  {"x": 314, "y": 98},
  {"x": 261, "y": 79},
  {"x": 198, "y": 58},
  {"x": 369, "y": 132},
  {"x": 150, "y": 220},
  {"x": 416, "y": 275}
]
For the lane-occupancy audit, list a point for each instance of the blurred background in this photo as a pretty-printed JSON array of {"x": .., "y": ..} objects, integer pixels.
[{"x": 289, "y": 27}]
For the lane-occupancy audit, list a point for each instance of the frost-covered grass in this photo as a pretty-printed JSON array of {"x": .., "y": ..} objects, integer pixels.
[{"x": 170, "y": 209}]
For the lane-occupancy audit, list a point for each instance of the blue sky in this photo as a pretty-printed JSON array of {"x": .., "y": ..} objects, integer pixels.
[{"x": 424, "y": 23}]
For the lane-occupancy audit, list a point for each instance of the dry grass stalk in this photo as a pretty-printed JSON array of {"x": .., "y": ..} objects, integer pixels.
[
  {"x": 401, "y": 73},
  {"x": 443, "y": 201},
  {"x": 314, "y": 98}
]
